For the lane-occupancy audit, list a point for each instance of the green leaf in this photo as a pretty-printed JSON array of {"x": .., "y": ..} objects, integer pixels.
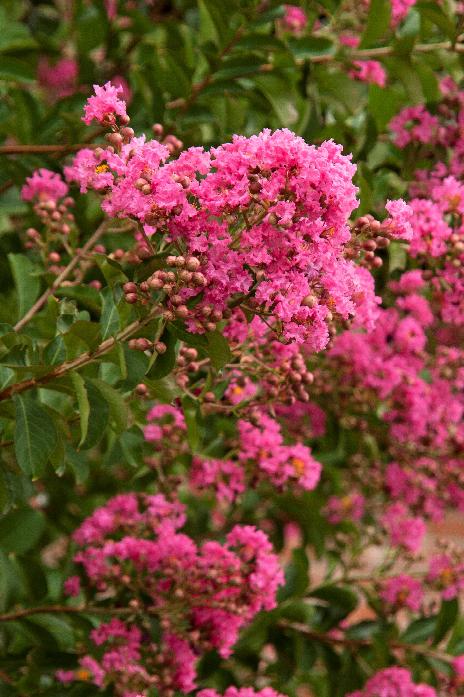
[
  {"x": 26, "y": 281},
  {"x": 446, "y": 618},
  {"x": 341, "y": 601},
  {"x": 16, "y": 70},
  {"x": 98, "y": 416},
  {"x": 20, "y": 530},
  {"x": 278, "y": 91},
  {"x": 296, "y": 575},
  {"x": 86, "y": 296},
  {"x": 420, "y": 630},
  {"x": 117, "y": 406},
  {"x": 263, "y": 42},
  {"x": 164, "y": 362},
  {"x": 309, "y": 46},
  {"x": 191, "y": 415},
  {"x": 214, "y": 22},
  {"x": 14, "y": 36},
  {"x": 35, "y": 435},
  {"x": 198, "y": 341},
  {"x": 109, "y": 321},
  {"x": 378, "y": 22},
  {"x": 83, "y": 404},
  {"x": 218, "y": 349},
  {"x": 57, "y": 627},
  {"x": 55, "y": 351},
  {"x": 81, "y": 336},
  {"x": 111, "y": 270},
  {"x": 434, "y": 13},
  {"x": 166, "y": 389}
]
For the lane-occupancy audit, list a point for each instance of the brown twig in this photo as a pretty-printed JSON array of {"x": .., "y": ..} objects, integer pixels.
[
  {"x": 355, "y": 644},
  {"x": 26, "y": 149},
  {"x": 381, "y": 51},
  {"x": 63, "y": 609},
  {"x": 80, "y": 361}
]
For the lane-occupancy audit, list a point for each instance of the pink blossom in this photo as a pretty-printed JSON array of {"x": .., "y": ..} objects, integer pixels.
[
  {"x": 349, "y": 40},
  {"x": 399, "y": 222},
  {"x": 240, "y": 692},
  {"x": 120, "y": 81},
  {"x": 394, "y": 682},
  {"x": 132, "y": 545},
  {"x": 72, "y": 586},
  {"x": 369, "y": 71},
  {"x": 65, "y": 676},
  {"x": 414, "y": 123},
  {"x": 294, "y": 19},
  {"x": 458, "y": 666},
  {"x": 447, "y": 575},
  {"x": 402, "y": 591},
  {"x": 60, "y": 79},
  {"x": 404, "y": 530},
  {"x": 349, "y": 507},
  {"x": 44, "y": 185},
  {"x": 400, "y": 9},
  {"x": 105, "y": 105},
  {"x": 225, "y": 477}
]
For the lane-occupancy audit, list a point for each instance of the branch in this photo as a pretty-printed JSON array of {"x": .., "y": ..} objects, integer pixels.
[
  {"x": 80, "y": 361},
  {"x": 64, "y": 609},
  {"x": 361, "y": 54},
  {"x": 24, "y": 149},
  {"x": 62, "y": 276},
  {"x": 381, "y": 51},
  {"x": 356, "y": 644}
]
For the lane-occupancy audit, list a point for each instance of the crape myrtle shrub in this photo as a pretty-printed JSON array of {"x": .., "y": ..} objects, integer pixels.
[{"x": 231, "y": 346}]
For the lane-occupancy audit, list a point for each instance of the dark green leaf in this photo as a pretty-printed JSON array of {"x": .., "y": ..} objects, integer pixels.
[
  {"x": 164, "y": 362},
  {"x": 26, "y": 281},
  {"x": 309, "y": 46},
  {"x": 98, "y": 416},
  {"x": 378, "y": 22},
  {"x": 446, "y": 618},
  {"x": 280, "y": 95},
  {"x": 35, "y": 435},
  {"x": 109, "y": 321},
  {"x": 218, "y": 349},
  {"x": 20, "y": 530},
  {"x": 83, "y": 404},
  {"x": 191, "y": 415},
  {"x": 117, "y": 406}
]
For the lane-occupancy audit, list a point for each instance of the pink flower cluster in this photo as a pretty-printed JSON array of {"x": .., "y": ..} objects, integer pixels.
[
  {"x": 417, "y": 385},
  {"x": 44, "y": 185},
  {"x": 402, "y": 591},
  {"x": 414, "y": 124},
  {"x": 131, "y": 550},
  {"x": 105, "y": 106},
  {"x": 369, "y": 71},
  {"x": 446, "y": 574},
  {"x": 349, "y": 507},
  {"x": 294, "y": 19},
  {"x": 241, "y": 692},
  {"x": 394, "y": 682},
  {"x": 404, "y": 530},
  {"x": 265, "y": 215},
  {"x": 59, "y": 80},
  {"x": 400, "y": 9},
  {"x": 163, "y": 419},
  {"x": 261, "y": 455}
]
